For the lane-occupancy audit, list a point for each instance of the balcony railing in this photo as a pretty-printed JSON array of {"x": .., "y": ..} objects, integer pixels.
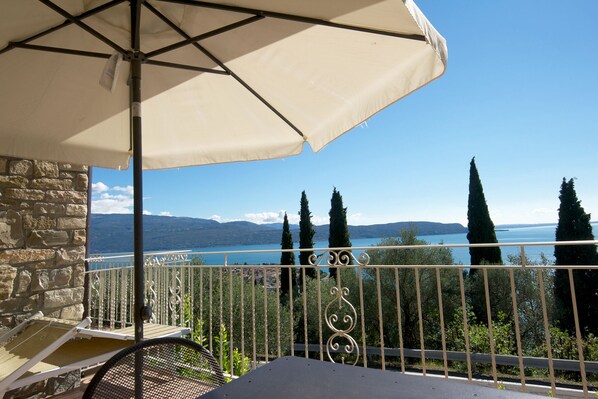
[{"x": 494, "y": 323}]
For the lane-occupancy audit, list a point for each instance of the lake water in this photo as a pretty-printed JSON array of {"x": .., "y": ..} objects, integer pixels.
[{"x": 461, "y": 255}]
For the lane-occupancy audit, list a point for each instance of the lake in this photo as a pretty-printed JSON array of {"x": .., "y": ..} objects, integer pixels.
[{"x": 461, "y": 255}]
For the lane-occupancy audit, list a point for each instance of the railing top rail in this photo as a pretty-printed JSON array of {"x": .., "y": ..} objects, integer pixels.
[{"x": 340, "y": 249}]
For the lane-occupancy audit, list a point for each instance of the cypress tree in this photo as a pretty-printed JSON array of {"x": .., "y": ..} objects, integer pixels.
[
  {"x": 306, "y": 235},
  {"x": 339, "y": 231},
  {"x": 481, "y": 228},
  {"x": 286, "y": 259},
  {"x": 574, "y": 224}
]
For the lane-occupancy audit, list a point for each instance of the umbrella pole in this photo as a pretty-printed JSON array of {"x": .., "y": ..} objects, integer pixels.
[
  {"x": 135, "y": 108},
  {"x": 137, "y": 198}
]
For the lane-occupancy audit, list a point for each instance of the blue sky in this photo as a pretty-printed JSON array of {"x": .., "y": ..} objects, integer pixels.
[{"x": 520, "y": 94}]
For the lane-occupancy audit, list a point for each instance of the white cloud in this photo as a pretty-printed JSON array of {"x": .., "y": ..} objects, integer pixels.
[
  {"x": 107, "y": 199},
  {"x": 128, "y": 189},
  {"x": 270, "y": 217},
  {"x": 217, "y": 218},
  {"x": 146, "y": 212},
  {"x": 165, "y": 213},
  {"x": 99, "y": 187}
]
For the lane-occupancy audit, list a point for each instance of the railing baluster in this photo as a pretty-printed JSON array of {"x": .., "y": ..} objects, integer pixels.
[
  {"x": 291, "y": 322},
  {"x": 220, "y": 314},
  {"x": 320, "y": 313},
  {"x": 230, "y": 321},
  {"x": 399, "y": 319},
  {"x": 254, "y": 343},
  {"x": 547, "y": 332},
  {"x": 201, "y": 305},
  {"x": 264, "y": 277},
  {"x": 517, "y": 332},
  {"x": 210, "y": 310},
  {"x": 441, "y": 313},
  {"x": 380, "y": 321},
  {"x": 582, "y": 366},
  {"x": 465, "y": 325},
  {"x": 490, "y": 331},
  {"x": 420, "y": 319},
  {"x": 362, "y": 311},
  {"x": 305, "y": 311},
  {"x": 278, "y": 277},
  {"x": 242, "y": 293}
]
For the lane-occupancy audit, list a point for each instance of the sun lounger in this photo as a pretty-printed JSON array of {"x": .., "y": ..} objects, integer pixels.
[{"x": 42, "y": 347}]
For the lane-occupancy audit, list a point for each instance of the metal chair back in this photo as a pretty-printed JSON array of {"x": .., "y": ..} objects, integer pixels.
[{"x": 157, "y": 368}]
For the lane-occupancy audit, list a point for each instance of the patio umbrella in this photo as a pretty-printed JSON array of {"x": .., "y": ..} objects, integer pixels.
[{"x": 216, "y": 81}]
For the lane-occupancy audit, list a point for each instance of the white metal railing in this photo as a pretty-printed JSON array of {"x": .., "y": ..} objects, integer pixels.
[{"x": 489, "y": 322}]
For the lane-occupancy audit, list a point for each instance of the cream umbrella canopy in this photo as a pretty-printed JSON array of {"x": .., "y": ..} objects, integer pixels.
[{"x": 214, "y": 81}]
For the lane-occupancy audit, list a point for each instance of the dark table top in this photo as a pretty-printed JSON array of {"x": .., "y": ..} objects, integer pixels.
[{"x": 294, "y": 377}]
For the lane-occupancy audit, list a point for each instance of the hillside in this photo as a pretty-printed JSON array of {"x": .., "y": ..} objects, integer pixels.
[{"x": 114, "y": 233}]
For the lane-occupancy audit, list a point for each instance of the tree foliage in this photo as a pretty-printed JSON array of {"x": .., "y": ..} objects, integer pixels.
[
  {"x": 481, "y": 228},
  {"x": 574, "y": 224},
  {"x": 287, "y": 274},
  {"x": 306, "y": 235},
  {"x": 339, "y": 231}
]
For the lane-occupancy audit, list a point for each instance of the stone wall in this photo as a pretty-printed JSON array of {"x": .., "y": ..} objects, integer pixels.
[{"x": 43, "y": 219}]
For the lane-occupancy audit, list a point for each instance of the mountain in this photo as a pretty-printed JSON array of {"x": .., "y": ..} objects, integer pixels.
[{"x": 114, "y": 232}]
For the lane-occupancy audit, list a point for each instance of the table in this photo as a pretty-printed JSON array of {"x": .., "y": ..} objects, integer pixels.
[{"x": 294, "y": 378}]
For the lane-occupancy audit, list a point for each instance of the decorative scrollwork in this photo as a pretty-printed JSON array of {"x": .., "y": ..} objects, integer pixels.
[
  {"x": 152, "y": 298},
  {"x": 153, "y": 261},
  {"x": 174, "y": 295},
  {"x": 349, "y": 320},
  {"x": 341, "y": 257}
]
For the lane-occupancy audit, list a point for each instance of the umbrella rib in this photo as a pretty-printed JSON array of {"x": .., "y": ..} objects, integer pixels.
[
  {"x": 183, "y": 66},
  {"x": 204, "y": 36},
  {"x": 66, "y": 23},
  {"x": 59, "y": 50},
  {"x": 225, "y": 68},
  {"x": 84, "y": 26},
  {"x": 296, "y": 18}
]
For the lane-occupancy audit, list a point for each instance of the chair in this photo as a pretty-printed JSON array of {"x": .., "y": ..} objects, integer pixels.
[{"x": 169, "y": 368}]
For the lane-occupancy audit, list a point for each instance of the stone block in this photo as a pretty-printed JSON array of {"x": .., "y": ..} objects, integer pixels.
[
  {"x": 40, "y": 280},
  {"x": 49, "y": 264},
  {"x": 11, "y": 306},
  {"x": 63, "y": 297},
  {"x": 52, "y": 184},
  {"x": 63, "y": 383},
  {"x": 3, "y": 164},
  {"x": 60, "y": 278},
  {"x": 39, "y": 223},
  {"x": 24, "y": 194},
  {"x": 45, "y": 169},
  {"x": 31, "y": 304},
  {"x": 17, "y": 256},
  {"x": 67, "y": 175},
  {"x": 13, "y": 182},
  {"x": 74, "y": 197},
  {"x": 79, "y": 275},
  {"x": 7, "y": 279},
  {"x": 20, "y": 167},
  {"x": 23, "y": 282},
  {"x": 74, "y": 312},
  {"x": 81, "y": 182},
  {"x": 76, "y": 210},
  {"x": 11, "y": 230},
  {"x": 71, "y": 223},
  {"x": 43, "y": 209},
  {"x": 72, "y": 167},
  {"x": 47, "y": 238},
  {"x": 70, "y": 256},
  {"x": 79, "y": 237}
]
